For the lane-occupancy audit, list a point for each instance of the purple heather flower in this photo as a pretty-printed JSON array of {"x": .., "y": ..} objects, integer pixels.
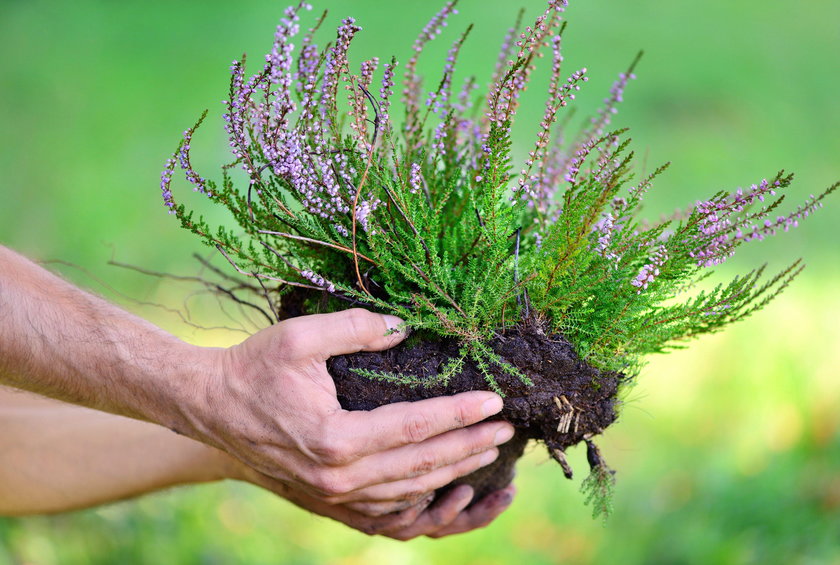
[
  {"x": 570, "y": 160},
  {"x": 367, "y": 70},
  {"x": 574, "y": 165},
  {"x": 541, "y": 187},
  {"x": 415, "y": 179},
  {"x": 307, "y": 68},
  {"x": 605, "y": 228},
  {"x": 387, "y": 90},
  {"x": 165, "y": 181},
  {"x": 438, "y": 140},
  {"x": 411, "y": 83},
  {"x": 363, "y": 211},
  {"x": 714, "y": 227},
  {"x": 318, "y": 280},
  {"x": 719, "y": 230},
  {"x": 441, "y": 96},
  {"x": 785, "y": 223},
  {"x": 280, "y": 58},
  {"x": 199, "y": 183},
  {"x": 236, "y": 116},
  {"x": 649, "y": 272},
  {"x": 358, "y": 102},
  {"x": 604, "y": 117},
  {"x": 503, "y": 97},
  {"x": 505, "y": 53},
  {"x": 464, "y": 101},
  {"x": 334, "y": 64}
]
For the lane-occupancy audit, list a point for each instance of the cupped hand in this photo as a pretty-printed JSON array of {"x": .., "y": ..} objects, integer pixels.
[
  {"x": 433, "y": 517},
  {"x": 273, "y": 406}
]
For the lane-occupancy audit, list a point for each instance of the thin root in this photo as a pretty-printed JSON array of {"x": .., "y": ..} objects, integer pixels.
[
  {"x": 568, "y": 413},
  {"x": 560, "y": 456}
]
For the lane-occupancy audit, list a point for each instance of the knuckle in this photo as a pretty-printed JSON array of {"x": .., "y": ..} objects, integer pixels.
[
  {"x": 401, "y": 520},
  {"x": 480, "y": 439},
  {"x": 360, "y": 323},
  {"x": 293, "y": 344},
  {"x": 438, "y": 519},
  {"x": 333, "y": 500},
  {"x": 372, "y": 510},
  {"x": 399, "y": 525},
  {"x": 426, "y": 461},
  {"x": 415, "y": 494},
  {"x": 331, "y": 484},
  {"x": 332, "y": 451},
  {"x": 463, "y": 415},
  {"x": 387, "y": 524},
  {"x": 417, "y": 427}
]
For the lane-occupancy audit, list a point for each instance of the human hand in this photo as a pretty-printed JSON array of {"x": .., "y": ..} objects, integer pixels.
[
  {"x": 432, "y": 517},
  {"x": 273, "y": 406}
]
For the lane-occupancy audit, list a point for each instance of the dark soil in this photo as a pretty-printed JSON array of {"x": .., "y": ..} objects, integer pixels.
[{"x": 569, "y": 401}]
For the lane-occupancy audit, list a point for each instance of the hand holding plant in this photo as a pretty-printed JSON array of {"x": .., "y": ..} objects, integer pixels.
[{"x": 376, "y": 462}]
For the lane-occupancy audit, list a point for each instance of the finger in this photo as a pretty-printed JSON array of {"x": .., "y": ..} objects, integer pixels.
[
  {"x": 321, "y": 336},
  {"x": 480, "y": 515},
  {"x": 390, "y": 497},
  {"x": 389, "y": 522},
  {"x": 447, "y": 453},
  {"x": 438, "y": 516},
  {"x": 342, "y": 513},
  {"x": 402, "y": 423},
  {"x": 380, "y": 509}
]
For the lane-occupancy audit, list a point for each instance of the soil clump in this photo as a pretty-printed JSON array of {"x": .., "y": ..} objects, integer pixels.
[{"x": 568, "y": 401}]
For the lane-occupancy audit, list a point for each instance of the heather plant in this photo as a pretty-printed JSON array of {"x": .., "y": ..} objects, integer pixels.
[{"x": 336, "y": 203}]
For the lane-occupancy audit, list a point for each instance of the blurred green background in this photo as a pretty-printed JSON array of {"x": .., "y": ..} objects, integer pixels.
[{"x": 727, "y": 452}]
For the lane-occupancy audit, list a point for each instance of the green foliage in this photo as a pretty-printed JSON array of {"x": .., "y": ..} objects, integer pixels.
[
  {"x": 389, "y": 377},
  {"x": 598, "y": 489},
  {"x": 448, "y": 370},
  {"x": 429, "y": 221}
]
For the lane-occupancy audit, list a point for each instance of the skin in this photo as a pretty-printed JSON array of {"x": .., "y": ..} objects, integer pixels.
[
  {"x": 59, "y": 457},
  {"x": 268, "y": 402}
]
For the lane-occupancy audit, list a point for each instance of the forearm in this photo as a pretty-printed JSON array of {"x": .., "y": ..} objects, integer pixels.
[
  {"x": 62, "y": 342},
  {"x": 56, "y": 457}
]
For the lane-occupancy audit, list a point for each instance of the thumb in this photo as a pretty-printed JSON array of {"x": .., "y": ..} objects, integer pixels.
[{"x": 349, "y": 331}]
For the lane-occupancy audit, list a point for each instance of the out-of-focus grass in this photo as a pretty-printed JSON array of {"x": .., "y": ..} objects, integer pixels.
[{"x": 727, "y": 452}]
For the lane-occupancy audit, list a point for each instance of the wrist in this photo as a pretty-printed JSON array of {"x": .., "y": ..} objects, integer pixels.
[
  {"x": 216, "y": 465},
  {"x": 181, "y": 403}
]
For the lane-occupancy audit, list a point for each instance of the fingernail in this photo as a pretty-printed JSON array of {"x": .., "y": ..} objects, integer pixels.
[
  {"x": 492, "y": 406},
  {"x": 504, "y": 498},
  {"x": 503, "y": 435},
  {"x": 392, "y": 321},
  {"x": 463, "y": 491},
  {"x": 489, "y": 456},
  {"x": 393, "y": 325}
]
